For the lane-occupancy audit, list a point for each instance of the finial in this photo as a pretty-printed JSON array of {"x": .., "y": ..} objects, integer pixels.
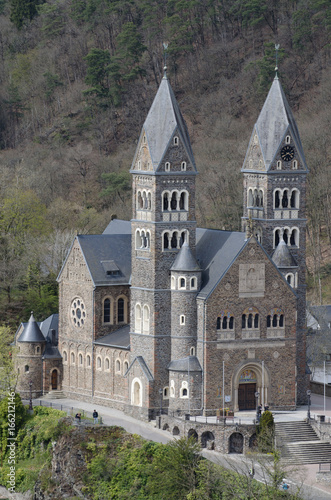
[
  {"x": 276, "y": 68},
  {"x": 165, "y": 47}
]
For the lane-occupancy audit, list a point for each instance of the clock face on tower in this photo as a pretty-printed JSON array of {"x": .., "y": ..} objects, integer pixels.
[{"x": 287, "y": 153}]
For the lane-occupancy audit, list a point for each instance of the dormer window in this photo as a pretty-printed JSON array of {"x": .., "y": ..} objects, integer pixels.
[
  {"x": 110, "y": 268},
  {"x": 167, "y": 167},
  {"x": 176, "y": 141}
]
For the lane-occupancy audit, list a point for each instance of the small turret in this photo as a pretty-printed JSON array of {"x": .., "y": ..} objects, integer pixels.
[{"x": 31, "y": 344}]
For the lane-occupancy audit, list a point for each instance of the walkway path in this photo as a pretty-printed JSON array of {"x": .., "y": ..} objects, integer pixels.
[{"x": 306, "y": 475}]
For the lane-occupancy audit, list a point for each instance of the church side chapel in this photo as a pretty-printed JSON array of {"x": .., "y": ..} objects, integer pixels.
[{"x": 156, "y": 311}]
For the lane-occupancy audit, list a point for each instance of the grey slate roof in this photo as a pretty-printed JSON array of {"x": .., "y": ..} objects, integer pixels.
[
  {"x": 191, "y": 363},
  {"x": 31, "y": 332},
  {"x": 120, "y": 338},
  {"x": 274, "y": 121},
  {"x": 163, "y": 121},
  {"x": 216, "y": 251},
  {"x": 319, "y": 317},
  {"x": 282, "y": 256},
  {"x": 117, "y": 226},
  {"x": 185, "y": 260},
  {"x": 140, "y": 360},
  {"x": 100, "y": 248}
]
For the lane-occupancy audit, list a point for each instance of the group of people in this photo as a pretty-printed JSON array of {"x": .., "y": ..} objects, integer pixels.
[{"x": 95, "y": 416}]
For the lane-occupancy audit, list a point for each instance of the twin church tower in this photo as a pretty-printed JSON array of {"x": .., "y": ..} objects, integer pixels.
[{"x": 157, "y": 311}]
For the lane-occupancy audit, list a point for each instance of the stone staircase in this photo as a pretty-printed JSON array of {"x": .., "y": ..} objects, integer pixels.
[
  {"x": 55, "y": 395},
  {"x": 299, "y": 444}
]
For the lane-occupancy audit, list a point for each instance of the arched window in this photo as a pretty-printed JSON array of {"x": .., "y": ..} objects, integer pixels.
[
  {"x": 295, "y": 165},
  {"x": 193, "y": 283},
  {"x": 65, "y": 356},
  {"x": 107, "y": 364},
  {"x": 166, "y": 241},
  {"x": 182, "y": 204},
  {"x": 184, "y": 389},
  {"x": 99, "y": 363},
  {"x": 173, "y": 203},
  {"x": 80, "y": 359},
  {"x": 173, "y": 283},
  {"x": 138, "y": 318},
  {"x": 174, "y": 239},
  {"x": 118, "y": 366},
  {"x": 125, "y": 366},
  {"x": 38, "y": 349},
  {"x": 182, "y": 319},
  {"x": 294, "y": 239},
  {"x": 192, "y": 351},
  {"x": 225, "y": 321},
  {"x": 72, "y": 358},
  {"x": 183, "y": 165},
  {"x": 276, "y": 238},
  {"x": 279, "y": 165},
  {"x": 88, "y": 360},
  {"x": 287, "y": 139},
  {"x": 166, "y": 392},
  {"x": 218, "y": 323},
  {"x": 250, "y": 319},
  {"x": 275, "y": 318},
  {"x": 136, "y": 392},
  {"x": 122, "y": 310},
  {"x": 285, "y": 199},
  {"x": 26, "y": 368},
  {"x": 106, "y": 311},
  {"x": 182, "y": 283},
  {"x": 165, "y": 201},
  {"x": 146, "y": 319},
  {"x": 172, "y": 388},
  {"x": 167, "y": 166},
  {"x": 176, "y": 141},
  {"x": 277, "y": 199}
]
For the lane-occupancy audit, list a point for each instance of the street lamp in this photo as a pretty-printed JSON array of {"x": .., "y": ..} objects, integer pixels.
[
  {"x": 160, "y": 392},
  {"x": 30, "y": 402},
  {"x": 257, "y": 406},
  {"x": 308, "y": 411}
]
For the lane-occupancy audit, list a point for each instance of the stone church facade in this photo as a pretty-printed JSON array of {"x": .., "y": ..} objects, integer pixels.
[{"x": 157, "y": 312}]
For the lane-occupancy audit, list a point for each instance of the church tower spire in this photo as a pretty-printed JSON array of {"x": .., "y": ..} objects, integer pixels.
[
  {"x": 163, "y": 195},
  {"x": 274, "y": 172}
]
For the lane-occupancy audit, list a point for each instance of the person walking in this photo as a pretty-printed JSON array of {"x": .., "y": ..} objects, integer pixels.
[{"x": 95, "y": 416}]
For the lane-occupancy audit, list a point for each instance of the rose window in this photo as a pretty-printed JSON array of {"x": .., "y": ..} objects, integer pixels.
[{"x": 78, "y": 313}]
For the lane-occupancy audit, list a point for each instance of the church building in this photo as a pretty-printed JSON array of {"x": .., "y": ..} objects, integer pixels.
[{"x": 157, "y": 312}]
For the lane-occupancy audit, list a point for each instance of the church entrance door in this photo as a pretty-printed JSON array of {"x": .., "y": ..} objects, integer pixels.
[
  {"x": 246, "y": 396},
  {"x": 54, "y": 380}
]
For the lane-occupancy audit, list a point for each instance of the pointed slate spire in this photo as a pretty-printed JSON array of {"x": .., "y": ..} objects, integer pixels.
[
  {"x": 31, "y": 332},
  {"x": 163, "y": 122},
  {"x": 282, "y": 256},
  {"x": 274, "y": 122},
  {"x": 185, "y": 260}
]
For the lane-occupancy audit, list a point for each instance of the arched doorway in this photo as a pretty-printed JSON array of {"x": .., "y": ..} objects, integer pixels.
[
  {"x": 246, "y": 390},
  {"x": 236, "y": 443},
  {"x": 207, "y": 440},
  {"x": 192, "y": 433},
  {"x": 54, "y": 380}
]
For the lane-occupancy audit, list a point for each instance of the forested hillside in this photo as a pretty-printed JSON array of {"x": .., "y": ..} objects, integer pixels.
[{"x": 77, "y": 78}]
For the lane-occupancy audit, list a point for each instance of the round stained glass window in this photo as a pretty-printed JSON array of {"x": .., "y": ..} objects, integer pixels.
[{"x": 78, "y": 314}]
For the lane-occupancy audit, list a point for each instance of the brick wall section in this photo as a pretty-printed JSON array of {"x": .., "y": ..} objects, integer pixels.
[
  {"x": 220, "y": 432},
  {"x": 278, "y": 354}
]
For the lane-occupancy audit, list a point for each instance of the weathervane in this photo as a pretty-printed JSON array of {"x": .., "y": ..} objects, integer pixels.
[
  {"x": 277, "y": 49},
  {"x": 165, "y": 46}
]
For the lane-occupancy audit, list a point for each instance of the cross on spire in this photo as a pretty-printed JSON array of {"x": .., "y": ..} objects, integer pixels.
[
  {"x": 165, "y": 47},
  {"x": 276, "y": 68}
]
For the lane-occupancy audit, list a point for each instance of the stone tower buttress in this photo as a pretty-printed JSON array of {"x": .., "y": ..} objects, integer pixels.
[
  {"x": 274, "y": 172},
  {"x": 163, "y": 218}
]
